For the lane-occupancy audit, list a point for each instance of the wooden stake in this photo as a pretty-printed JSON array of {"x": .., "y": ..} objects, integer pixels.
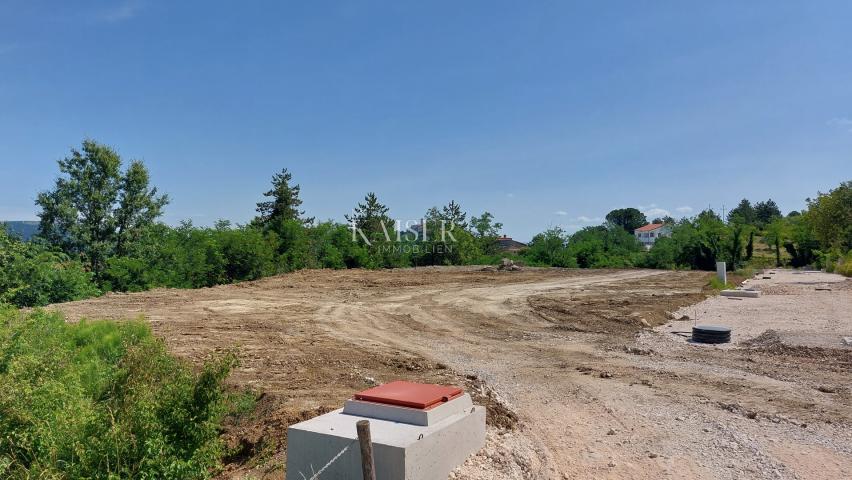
[{"x": 367, "y": 467}]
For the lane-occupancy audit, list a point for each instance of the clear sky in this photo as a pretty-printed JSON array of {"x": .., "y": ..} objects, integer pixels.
[{"x": 544, "y": 113}]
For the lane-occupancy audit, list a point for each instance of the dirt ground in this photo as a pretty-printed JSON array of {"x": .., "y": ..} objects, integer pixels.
[{"x": 577, "y": 383}]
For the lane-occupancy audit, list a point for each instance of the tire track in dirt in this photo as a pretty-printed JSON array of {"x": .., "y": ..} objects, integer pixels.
[{"x": 560, "y": 347}]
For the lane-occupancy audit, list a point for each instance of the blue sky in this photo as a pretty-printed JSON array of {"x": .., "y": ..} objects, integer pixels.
[{"x": 544, "y": 113}]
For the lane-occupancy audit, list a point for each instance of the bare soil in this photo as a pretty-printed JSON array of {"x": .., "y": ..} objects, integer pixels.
[{"x": 577, "y": 383}]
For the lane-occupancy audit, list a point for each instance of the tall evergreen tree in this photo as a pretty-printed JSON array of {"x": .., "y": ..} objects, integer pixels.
[
  {"x": 283, "y": 204},
  {"x": 742, "y": 213},
  {"x": 453, "y": 215},
  {"x": 94, "y": 210},
  {"x": 766, "y": 212},
  {"x": 370, "y": 215}
]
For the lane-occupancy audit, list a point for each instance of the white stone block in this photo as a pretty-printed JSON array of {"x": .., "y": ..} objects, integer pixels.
[{"x": 400, "y": 450}]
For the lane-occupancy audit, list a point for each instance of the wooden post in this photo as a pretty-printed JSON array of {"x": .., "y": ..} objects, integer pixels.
[{"x": 367, "y": 467}]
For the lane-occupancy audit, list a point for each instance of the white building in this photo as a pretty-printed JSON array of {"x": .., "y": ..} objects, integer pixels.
[{"x": 651, "y": 232}]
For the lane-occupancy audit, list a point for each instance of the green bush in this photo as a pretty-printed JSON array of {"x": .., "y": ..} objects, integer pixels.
[
  {"x": 103, "y": 400},
  {"x": 127, "y": 274},
  {"x": 550, "y": 248},
  {"x": 717, "y": 284},
  {"x": 247, "y": 254},
  {"x": 664, "y": 254},
  {"x": 33, "y": 275},
  {"x": 843, "y": 265}
]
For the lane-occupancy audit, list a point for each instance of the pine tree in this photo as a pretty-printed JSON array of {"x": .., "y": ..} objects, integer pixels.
[
  {"x": 284, "y": 203},
  {"x": 742, "y": 213},
  {"x": 452, "y": 215},
  {"x": 370, "y": 215},
  {"x": 627, "y": 218},
  {"x": 766, "y": 212}
]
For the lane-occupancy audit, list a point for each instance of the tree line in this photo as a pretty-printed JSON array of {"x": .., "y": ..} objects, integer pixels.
[{"x": 99, "y": 231}]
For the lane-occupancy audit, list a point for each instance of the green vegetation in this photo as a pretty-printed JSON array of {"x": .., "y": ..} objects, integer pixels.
[
  {"x": 95, "y": 210},
  {"x": 627, "y": 218},
  {"x": 103, "y": 400},
  {"x": 717, "y": 284},
  {"x": 608, "y": 246},
  {"x": 99, "y": 231},
  {"x": 33, "y": 274}
]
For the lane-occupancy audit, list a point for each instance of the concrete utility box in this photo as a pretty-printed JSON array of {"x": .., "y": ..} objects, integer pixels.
[
  {"x": 722, "y": 272},
  {"x": 419, "y": 432}
]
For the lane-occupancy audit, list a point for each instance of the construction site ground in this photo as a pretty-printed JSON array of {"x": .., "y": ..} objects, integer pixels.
[{"x": 586, "y": 374}]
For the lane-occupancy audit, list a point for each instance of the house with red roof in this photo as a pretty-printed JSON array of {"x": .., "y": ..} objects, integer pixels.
[{"x": 649, "y": 234}]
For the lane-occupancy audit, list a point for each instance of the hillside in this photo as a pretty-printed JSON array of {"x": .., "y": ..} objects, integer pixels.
[{"x": 23, "y": 228}]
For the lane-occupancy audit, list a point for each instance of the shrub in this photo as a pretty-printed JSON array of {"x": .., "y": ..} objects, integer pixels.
[
  {"x": 663, "y": 254},
  {"x": 717, "y": 284},
  {"x": 32, "y": 275},
  {"x": 247, "y": 254},
  {"x": 549, "y": 248},
  {"x": 103, "y": 400},
  {"x": 126, "y": 274},
  {"x": 843, "y": 265}
]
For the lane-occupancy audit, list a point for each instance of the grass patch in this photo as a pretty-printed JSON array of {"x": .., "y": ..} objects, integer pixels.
[
  {"x": 745, "y": 272},
  {"x": 104, "y": 400},
  {"x": 718, "y": 285}
]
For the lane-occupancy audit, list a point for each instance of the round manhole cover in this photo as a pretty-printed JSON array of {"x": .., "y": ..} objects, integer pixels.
[{"x": 711, "y": 334}]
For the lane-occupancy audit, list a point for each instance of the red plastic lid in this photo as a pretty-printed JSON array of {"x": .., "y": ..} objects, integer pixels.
[{"x": 409, "y": 394}]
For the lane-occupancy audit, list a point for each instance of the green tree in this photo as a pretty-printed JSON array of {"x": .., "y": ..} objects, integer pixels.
[
  {"x": 95, "y": 210},
  {"x": 603, "y": 246},
  {"x": 830, "y": 216},
  {"x": 775, "y": 236},
  {"x": 801, "y": 243},
  {"x": 750, "y": 245},
  {"x": 371, "y": 217},
  {"x": 627, "y": 218},
  {"x": 247, "y": 253},
  {"x": 735, "y": 245},
  {"x": 664, "y": 254},
  {"x": 486, "y": 231},
  {"x": 284, "y": 202},
  {"x": 742, "y": 213},
  {"x": 550, "y": 248},
  {"x": 453, "y": 215},
  {"x": 697, "y": 243},
  {"x": 138, "y": 206},
  {"x": 765, "y": 212}
]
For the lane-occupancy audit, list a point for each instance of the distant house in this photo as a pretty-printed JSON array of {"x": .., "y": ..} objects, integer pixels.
[
  {"x": 649, "y": 234},
  {"x": 506, "y": 244}
]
